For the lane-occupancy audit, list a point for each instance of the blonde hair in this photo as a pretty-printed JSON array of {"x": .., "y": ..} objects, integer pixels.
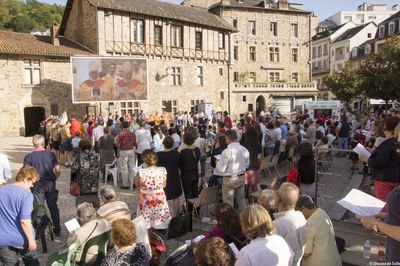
[
  {"x": 149, "y": 157},
  {"x": 27, "y": 172},
  {"x": 256, "y": 222},
  {"x": 123, "y": 232}
]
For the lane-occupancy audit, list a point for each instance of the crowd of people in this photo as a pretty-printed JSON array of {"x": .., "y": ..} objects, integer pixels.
[{"x": 166, "y": 159}]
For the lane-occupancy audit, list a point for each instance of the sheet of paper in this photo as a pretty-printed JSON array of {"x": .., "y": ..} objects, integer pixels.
[
  {"x": 360, "y": 150},
  {"x": 217, "y": 157},
  {"x": 361, "y": 203},
  {"x": 72, "y": 225}
]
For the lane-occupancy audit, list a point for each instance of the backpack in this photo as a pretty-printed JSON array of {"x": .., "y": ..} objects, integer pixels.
[{"x": 39, "y": 217}]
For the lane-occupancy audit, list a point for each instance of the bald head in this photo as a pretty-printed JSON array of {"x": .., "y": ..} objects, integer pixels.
[{"x": 288, "y": 194}]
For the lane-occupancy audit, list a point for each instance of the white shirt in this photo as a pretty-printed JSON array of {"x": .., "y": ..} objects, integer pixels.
[
  {"x": 267, "y": 251},
  {"x": 177, "y": 140},
  {"x": 157, "y": 141},
  {"x": 143, "y": 140},
  {"x": 234, "y": 160},
  {"x": 98, "y": 132},
  {"x": 264, "y": 132},
  {"x": 278, "y": 132},
  {"x": 291, "y": 225},
  {"x": 5, "y": 170}
]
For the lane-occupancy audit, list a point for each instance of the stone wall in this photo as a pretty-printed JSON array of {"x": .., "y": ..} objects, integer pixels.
[{"x": 55, "y": 88}]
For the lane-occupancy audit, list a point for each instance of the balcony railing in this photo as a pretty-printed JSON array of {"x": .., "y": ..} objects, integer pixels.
[
  {"x": 275, "y": 86},
  {"x": 320, "y": 70}
]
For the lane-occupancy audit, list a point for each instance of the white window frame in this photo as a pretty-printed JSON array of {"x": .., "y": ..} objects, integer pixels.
[
  {"x": 129, "y": 107},
  {"x": 381, "y": 30},
  {"x": 274, "y": 76},
  {"x": 295, "y": 55},
  {"x": 273, "y": 28},
  {"x": 200, "y": 76},
  {"x": 32, "y": 71},
  {"x": 252, "y": 76},
  {"x": 176, "y": 36},
  {"x": 391, "y": 28},
  {"x": 251, "y": 27},
  {"x": 137, "y": 29},
  {"x": 295, "y": 77},
  {"x": 176, "y": 76},
  {"x": 294, "y": 29},
  {"x": 274, "y": 54},
  {"x": 174, "y": 105},
  {"x": 221, "y": 40},
  {"x": 252, "y": 54}
]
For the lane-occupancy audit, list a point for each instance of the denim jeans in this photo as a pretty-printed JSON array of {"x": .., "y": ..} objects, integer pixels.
[
  {"x": 9, "y": 256},
  {"x": 46, "y": 190},
  {"x": 343, "y": 145}
]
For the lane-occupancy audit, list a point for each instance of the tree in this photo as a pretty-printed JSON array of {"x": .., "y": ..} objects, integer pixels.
[
  {"x": 343, "y": 83},
  {"x": 379, "y": 74},
  {"x": 23, "y": 24}
]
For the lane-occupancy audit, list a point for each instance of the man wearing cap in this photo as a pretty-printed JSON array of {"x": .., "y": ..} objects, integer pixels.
[
  {"x": 126, "y": 143},
  {"x": 129, "y": 88},
  {"x": 94, "y": 88}
]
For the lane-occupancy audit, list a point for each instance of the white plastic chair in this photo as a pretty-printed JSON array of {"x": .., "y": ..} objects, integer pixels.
[{"x": 111, "y": 168}]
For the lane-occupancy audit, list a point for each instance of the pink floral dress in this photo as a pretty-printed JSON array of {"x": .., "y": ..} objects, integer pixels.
[{"x": 153, "y": 204}]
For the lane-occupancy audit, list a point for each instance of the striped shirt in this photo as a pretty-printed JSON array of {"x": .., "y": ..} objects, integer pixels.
[{"x": 113, "y": 210}]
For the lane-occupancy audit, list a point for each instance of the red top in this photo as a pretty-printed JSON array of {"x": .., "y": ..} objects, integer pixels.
[
  {"x": 126, "y": 140},
  {"x": 75, "y": 127},
  {"x": 228, "y": 122}
]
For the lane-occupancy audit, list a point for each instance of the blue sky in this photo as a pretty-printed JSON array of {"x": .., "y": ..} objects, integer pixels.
[{"x": 322, "y": 8}]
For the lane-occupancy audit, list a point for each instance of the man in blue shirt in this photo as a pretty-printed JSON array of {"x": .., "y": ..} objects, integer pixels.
[
  {"x": 16, "y": 204},
  {"x": 46, "y": 164}
]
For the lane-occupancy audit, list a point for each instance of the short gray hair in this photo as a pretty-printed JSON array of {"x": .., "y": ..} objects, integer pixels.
[
  {"x": 107, "y": 192},
  {"x": 38, "y": 141},
  {"x": 267, "y": 197},
  {"x": 85, "y": 212}
]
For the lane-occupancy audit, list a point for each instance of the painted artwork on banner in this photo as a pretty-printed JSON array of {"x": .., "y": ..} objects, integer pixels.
[{"x": 109, "y": 79}]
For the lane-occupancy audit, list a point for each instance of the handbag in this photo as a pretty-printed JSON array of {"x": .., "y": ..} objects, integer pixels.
[
  {"x": 293, "y": 176},
  {"x": 74, "y": 189}
]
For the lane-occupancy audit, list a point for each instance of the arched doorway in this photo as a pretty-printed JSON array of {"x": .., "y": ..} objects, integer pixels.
[
  {"x": 33, "y": 117},
  {"x": 260, "y": 104}
]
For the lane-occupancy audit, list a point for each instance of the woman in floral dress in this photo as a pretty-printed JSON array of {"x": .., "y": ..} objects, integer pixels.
[{"x": 153, "y": 204}]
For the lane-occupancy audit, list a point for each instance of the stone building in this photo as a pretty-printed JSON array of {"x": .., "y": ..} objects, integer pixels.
[
  {"x": 270, "y": 54},
  {"x": 35, "y": 80},
  {"x": 187, "y": 49}
]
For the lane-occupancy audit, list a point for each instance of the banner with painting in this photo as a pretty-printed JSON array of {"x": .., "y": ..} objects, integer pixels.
[{"x": 109, "y": 79}]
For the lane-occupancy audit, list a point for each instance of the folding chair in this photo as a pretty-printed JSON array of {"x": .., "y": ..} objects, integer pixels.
[
  {"x": 63, "y": 256},
  {"x": 94, "y": 199},
  {"x": 274, "y": 163},
  {"x": 265, "y": 164},
  {"x": 177, "y": 227},
  {"x": 208, "y": 195},
  {"x": 101, "y": 241}
]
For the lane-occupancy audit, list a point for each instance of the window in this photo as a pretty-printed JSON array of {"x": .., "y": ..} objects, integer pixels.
[
  {"x": 176, "y": 36},
  {"x": 333, "y": 53},
  {"x": 295, "y": 55},
  {"x": 325, "y": 64},
  {"x": 369, "y": 35},
  {"x": 54, "y": 109},
  {"x": 368, "y": 49},
  {"x": 360, "y": 17},
  {"x": 252, "y": 53},
  {"x": 200, "y": 76},
  {"x": 235, "y": 23},
  {"x": 273, "y": 28},
  {"x": 251, "y": 27},
  {"x": 319, "y": 51},
  {"x": 137, "y": 26},
  {"x": 199, "y": 40},
  {"x": 221, "y": 95},
  {"x": 252, "y": 77},
  {"x": 221, "y": 71},
  {"x": 274, "y": 76},
  {"x": 221, "y": 40},
  {"x": 235, "y": 76},
  {"x": 157, "y": 35},
  {"x": 193, "y": 104},
  {"x": 176, "y": 78},
  {"x": 348, "y": 18},
  {"x": 170, "y": 106},
  {"x": 236, "y": 52},
  {"x": 354, "y": 52},
  {"x": 244, "y": 98},
  {"x": 372, "y": 17},
  {"x": 314, "y": 52},
  {"x": 325, "y": 49},
  {"x": 32, "y": 71},
  {"x": 391, "y": 28},
  {"x": 130, "y": 108},
  {"x": 274, "y": 54},
  {"x": 381, "y": 31},
  {"x": 295, "y": 30},
  {"x": 295, "y": 77}
]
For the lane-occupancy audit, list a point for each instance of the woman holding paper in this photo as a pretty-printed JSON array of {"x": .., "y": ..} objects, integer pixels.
[
  {"x": 385, "y": 161},
  {"x": 391, "y": 226}
]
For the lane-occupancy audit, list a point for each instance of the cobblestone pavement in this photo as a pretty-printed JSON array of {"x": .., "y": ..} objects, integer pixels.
[{"x": 330, "y": 187}]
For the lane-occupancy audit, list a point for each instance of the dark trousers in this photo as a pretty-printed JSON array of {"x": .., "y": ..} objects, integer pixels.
[
  {"x": 190, "y": 183},
  {"x": 46, "y": 190},
  {"x": 9, "y": 256},
  {"x": 139, "y": 159}
]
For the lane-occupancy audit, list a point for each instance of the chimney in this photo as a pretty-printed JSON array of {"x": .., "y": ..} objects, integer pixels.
[
  {"x": 226, "y": 2},
  {"x": 283, "y": 4},
  {"x": 54, "y": 35},
  {"x": 395, "y": 8}
]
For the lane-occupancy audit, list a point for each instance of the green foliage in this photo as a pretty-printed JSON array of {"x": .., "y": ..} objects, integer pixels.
[
  {"x": 379, "y": 74},
  {"x": 19, "y": 16},
  {"x": 344, "y": 83}
]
